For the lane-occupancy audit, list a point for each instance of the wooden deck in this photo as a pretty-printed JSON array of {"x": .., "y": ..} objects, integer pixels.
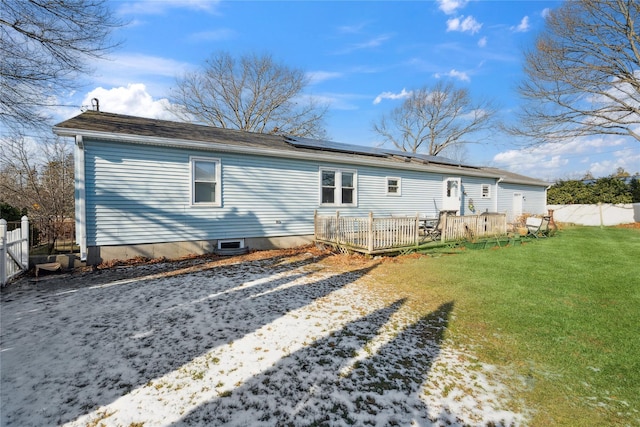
[{"x": 384, "y": 234}]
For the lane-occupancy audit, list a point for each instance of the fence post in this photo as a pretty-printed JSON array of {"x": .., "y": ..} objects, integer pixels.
[
  {"x": 315, "y": 224},
  {"x": 444, "y": 236},
  {"x": 338, "y": 227},
  {"x": 417, "y": 230},
  {"x": 3, "y": 251},
  {"x": 370, "y": 233},
  {"x": 24, "y": 246}
]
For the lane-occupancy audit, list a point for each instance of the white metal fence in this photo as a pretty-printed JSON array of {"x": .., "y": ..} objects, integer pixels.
[{"x": 14, "y": 250}]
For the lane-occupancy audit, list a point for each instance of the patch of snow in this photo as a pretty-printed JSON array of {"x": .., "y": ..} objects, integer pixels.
[{"x": 266, "y": 342}]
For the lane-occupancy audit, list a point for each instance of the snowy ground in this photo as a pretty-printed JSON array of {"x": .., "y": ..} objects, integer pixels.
[{"x": 281, "y": 338}]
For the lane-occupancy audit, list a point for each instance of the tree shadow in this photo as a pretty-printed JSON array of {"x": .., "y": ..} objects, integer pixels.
[
  {"x": 66, "y": 354},
  {"x": 125, "y": 273},
  {"x": 325, "y": 383}
]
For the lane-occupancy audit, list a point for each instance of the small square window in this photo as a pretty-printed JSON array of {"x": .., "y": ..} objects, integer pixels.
[
  {"x": 486, "y": 191},
  {"x": 393, "y": 186}
]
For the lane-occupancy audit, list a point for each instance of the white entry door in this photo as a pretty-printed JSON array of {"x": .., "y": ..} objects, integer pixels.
[
  {"x": 516, "y": 206},
  {"x": 451, "y": 198}
]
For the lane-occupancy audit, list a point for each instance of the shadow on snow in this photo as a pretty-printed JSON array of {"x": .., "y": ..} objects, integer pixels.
[
  {"x": 66, "y": 354},
  {"x": 323, "y": 384}
]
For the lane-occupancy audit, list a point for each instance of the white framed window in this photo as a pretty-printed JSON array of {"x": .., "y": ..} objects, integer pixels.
[
  {"x": 485, "y": 191},
  {"x": 338, "y": 187},
  {"x": 394, "y": 186},
  {"x": 205, "y": 181}
]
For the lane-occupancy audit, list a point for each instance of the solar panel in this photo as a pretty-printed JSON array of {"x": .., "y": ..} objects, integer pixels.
[
  {"x": 336, "y": 146},
  {"x": 370, "y": 151}
]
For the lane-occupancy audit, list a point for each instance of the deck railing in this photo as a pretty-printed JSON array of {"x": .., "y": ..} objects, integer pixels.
[
  {"x": 367, "y": 234},
  {"x": 381, "y": 234},
  {"x": 470, "y": 227}
]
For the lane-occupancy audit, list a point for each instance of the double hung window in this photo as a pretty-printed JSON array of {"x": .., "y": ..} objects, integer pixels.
[
  {"x": 338, "y": 187},
  {"x": 205, "y": 181},
  {"x": 393, "y": 186}
]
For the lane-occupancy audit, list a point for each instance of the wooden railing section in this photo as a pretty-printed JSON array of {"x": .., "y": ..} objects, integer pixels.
[
  {"x": 385, "y": 233},
  {"x": 470, "y": 227}
]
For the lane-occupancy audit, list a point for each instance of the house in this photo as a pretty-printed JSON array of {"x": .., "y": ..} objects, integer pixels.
[{"x": 146, "y": 187}]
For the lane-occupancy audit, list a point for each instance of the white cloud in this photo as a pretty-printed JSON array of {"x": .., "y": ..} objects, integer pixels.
[
  {"x": 628, "y": 159},
  {"x": 157, "y": 7},
  {"x": 352, "y": 29},
  {"x": 460, "y": 75},
  {"x": 120, "y": 69},
  {"x": 132, "y": 100},
  {"x": 465, "y": 25},
  {"x": 545, "y": 12},
  {"x": 157, "y": 73},
  {"x": 523, "y": 26},
  {"x": 451, "y": 6},
  {"x": 368, "y": 44},
  {"x": 316, "y": 77},
  {"x": 338, "y": 101},
  {"x": 213, "y": 35},
  {"x": 375, "y": 42},
  {"x": 390, "y": 95},
  {"x": 571, "y": 159},
  {"x": 482, "y": 42}
]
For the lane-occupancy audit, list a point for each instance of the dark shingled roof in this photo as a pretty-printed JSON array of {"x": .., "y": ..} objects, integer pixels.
[
  {"x": 132, "y": 125},
  {"x": 120, "y": 124}
]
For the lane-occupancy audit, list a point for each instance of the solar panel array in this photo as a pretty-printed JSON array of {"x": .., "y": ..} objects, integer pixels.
[{"x": 369, "y": 151}]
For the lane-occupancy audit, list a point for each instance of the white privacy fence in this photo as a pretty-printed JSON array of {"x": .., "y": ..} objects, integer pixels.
[
  {"x": 14, "y": 250},
  {"x": 600, "y": 214}
]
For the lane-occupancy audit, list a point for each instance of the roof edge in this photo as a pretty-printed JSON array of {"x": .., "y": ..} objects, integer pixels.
[{"x": 228, "y": 148}]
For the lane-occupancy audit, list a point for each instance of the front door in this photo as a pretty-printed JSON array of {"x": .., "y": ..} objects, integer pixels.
[{"x": 452, "y": 198}]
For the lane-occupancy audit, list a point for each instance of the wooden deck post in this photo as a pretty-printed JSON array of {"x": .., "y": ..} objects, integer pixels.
[
  {"x": 443, "y": 233},
  {"x": 315, "y": 224},
  {"x": 370, "y": 233}
]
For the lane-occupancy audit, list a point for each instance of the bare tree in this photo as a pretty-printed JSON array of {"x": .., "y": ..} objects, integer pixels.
[
  {"x": 44, "y": 46},
  {"x": 583, "y": 75},
  {"x": 435, "y": 120},
  {"x": 39, "y": 180},
  {"x": 252, "y": 93}
]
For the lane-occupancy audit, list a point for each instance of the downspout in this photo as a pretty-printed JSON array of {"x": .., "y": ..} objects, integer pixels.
[
  {"x": 80, "y": 198},
  {"x": 495, "y": 202}
]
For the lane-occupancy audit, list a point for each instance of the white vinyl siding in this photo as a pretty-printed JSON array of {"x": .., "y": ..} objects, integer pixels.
[
  {"x": 139, "y": 194},
  {"x": 534, "y": 199}
]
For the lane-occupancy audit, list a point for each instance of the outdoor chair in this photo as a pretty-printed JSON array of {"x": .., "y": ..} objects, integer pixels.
[
  {"x": 537, "y": 227},
  {"x": 434, "y": 230}
]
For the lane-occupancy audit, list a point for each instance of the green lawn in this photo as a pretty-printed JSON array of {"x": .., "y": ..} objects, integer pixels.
[{"x": 561, "y": 316}]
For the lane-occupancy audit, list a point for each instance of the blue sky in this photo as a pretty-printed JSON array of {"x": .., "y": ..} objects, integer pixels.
[{"x": 361, "y": 58}]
